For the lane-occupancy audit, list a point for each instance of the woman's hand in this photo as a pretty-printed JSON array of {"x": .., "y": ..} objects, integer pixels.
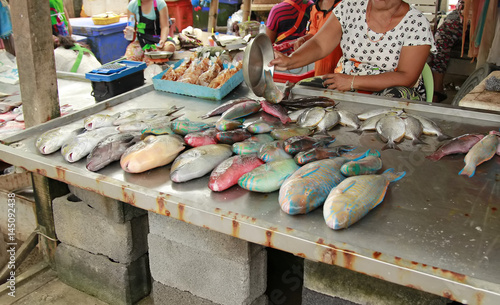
[
  {"x": 338, "y": 81},
  {"x": 300, "y": 41},
  {"x": 280, "y": 62},
  {"x": 160, "y": 44}
]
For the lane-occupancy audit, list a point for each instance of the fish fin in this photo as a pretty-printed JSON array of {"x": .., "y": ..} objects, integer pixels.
[
  {"x": 391, "y": 145},
  {"x": 393, "y": 176},
  {"x": 468, "y": 170},
  {"x": 434, "y": 157},
  {"x": 356, "y": 131},
  {"x": 417, "y": 141},
  {"x": 373, "y": 152},
  {"x": 342, "y": 191},
  {"x": 310, "y": 171},
  {"x": 443, "y": 137}
]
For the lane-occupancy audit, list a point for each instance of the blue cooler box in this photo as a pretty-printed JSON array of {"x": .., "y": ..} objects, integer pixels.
[
  {"x": 116, "y": 78},
  {"x": 105, "y": 41}
]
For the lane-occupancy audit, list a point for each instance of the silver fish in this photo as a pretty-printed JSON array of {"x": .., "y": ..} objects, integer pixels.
[
  {"x": 330, "y": 120},
  {"x": 110, "y": 149},
  {"x": 431, "y": 128},
  {"x": 413, "y": 129},
  {"x": 144, "y": 114},
  {"x": 271, "y": 93},
  {"x": 391, "y": 129},
  {"x": 371, "y": 122},
  {"x": 222, "y": 108},
  {"x": 294, "y": 115},
  {"x": 81, "y": 145},
  {"x": 371, "y": 113},
  {"x": 348, "y": 118},
  {"x": 311, "y": 117},
  {"x": 52, "y": 140},
  {"x": 199, "y": 161},
  {"x": 99, "y": 120}
]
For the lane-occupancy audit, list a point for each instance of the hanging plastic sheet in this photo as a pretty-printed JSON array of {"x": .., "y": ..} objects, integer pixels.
[{"x": 5, "y": 21}]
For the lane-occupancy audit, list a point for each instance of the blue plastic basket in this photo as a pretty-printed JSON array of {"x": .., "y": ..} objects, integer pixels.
[
  {"x": 108, "y": 75},
  {"x": 197, "y": 90}
]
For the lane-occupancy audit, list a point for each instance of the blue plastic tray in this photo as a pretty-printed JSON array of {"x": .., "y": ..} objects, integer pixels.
[
  {"x": 197, "y": 90},
  {"x": 131, "y": 67}
]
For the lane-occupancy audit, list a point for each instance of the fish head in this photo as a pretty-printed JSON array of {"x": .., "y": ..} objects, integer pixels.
[{"x": 337, "y": 215}]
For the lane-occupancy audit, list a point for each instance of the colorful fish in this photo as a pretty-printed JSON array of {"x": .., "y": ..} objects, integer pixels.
[
  {"x": 275, "y": 110},
  {"x": 241, "y": 110},
  {"x": 269, "y": 176},
  {"x": 200, "y": 138},
  {"x": 227, "y": 173},
  {"x": 273, "y": 151},
  {"x": 458, "y": 145},
  {"x": 288, "y": 132},
  {"x": 183, "y": 127},
  {"x": 232, "y": 136},
  {"x": 366, "y": 166},
  {"x": 481, "y": 152},
  {"x": 320, "y": 153},
  {"x": 296, "y": 144}
]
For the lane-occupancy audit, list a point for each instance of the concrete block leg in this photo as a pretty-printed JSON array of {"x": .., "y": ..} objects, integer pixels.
[
  {"x": 333, "y": 285},
  {"x": 97, "y": 275}
]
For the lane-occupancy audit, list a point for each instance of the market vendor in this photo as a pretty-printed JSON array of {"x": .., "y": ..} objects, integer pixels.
[
  {"x": 288, "y": 20},
  {"x": 384, "y": 45},
  {"x": 152, "y": 28},
  {"x": 59, "y": 18}
]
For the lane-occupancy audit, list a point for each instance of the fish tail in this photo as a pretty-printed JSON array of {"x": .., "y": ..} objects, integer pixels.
[
  {"x": 356, "y": 131},
  {"x": 391, "y": 145},
  {"x": 468, "y": 170},
  {"x": 443, "y": 137},
  {"x": 392, "y": 176},
  {"x": 373, "y": 152}
]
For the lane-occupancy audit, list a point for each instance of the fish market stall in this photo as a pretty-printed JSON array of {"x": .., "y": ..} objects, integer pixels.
[{"x": 436, "y": 231}]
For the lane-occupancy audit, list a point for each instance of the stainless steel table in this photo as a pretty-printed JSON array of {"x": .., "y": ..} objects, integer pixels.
[{"x": 435, "y": 231}]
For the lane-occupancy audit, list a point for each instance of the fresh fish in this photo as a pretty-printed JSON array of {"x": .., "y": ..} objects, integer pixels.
[
  {"x": 222, "y": 108},
  {"x": 226, "y": 125},
  {"x": 99, "y": 120},
  {"x": 348, "y": 118},
  {"x": 80, "y": 146},
  {"x": 110, "y": 149},
  {"x": 391, "y": 129},
  {"x": 371, "y": 122},
  {"x": 498, "y": 134},
  {"x": 275, "y": 110},
  {"x": 152, "y": 152},
  {"x": 309, "y": 101},
  {"x": 311, "y": 117},
  {"x": 260, "y": 127},
  {"x": 482, "y": 151},
  {"x": 52, "y": 140},
  {"x": 458, "y": 145},
  {"x": 320, "y": 153},
  {"x": 296, "y": 144},
  {"x": 11, "y": 126},
  {"x": 268, "y": 177},
  {"x": 273, "y": 151},
  {"x": 199, "y": 161},
  {"x": 143, "y": 125},
  {"x": 8, "y": 116},
  {"x": 354, "y": 197},
  {"x": 227, "y": 173},
  {"x": 287, "y": 94},
  {"x": 366, "y": 166},
  {"x": 144, "y": 114},
  {"x": 330, "y": 120},
  {"x": 271, "y": 93},
  {"x": 354, "y": 156},
  {"x": 379, "y": 111},
  {"x": 241, "y": 110},
  {"x": 294, "y": 115},
  {"x": 252, "y": 144},
  {"x": 200, "y": 138},
  {"x": 413, "y": 129},
  {"x": 183, "y": 127},
  {"x": 7, "y": 106},
  {"x": 307, "y": 188},
  {"x": 431, "y": 128},
  {"x": 157, "y": 130},
  {"x": 288, "y": 132},
  {"x": 232, "y": 136}
]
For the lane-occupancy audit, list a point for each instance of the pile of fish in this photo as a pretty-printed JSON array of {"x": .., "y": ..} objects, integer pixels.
[
  {"x": 394, "y": 124},
  {"x": 11, "y": 113},
  {"x": 477, "y": 147}
]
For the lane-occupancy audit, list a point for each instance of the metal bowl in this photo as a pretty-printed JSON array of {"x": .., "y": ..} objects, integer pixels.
[
  {"x": 158, "y": 54},
  {"x": 258, "y": 54}
]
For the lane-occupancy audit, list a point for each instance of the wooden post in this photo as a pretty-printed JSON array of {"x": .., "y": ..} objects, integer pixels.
[
  {"x": 38, "y": 84},
  {"x": 212, "y": 16},
  {"x": 247, "y": 6}
]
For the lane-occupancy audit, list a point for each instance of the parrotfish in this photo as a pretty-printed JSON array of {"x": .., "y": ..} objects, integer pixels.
[
  {"x": 271, "y": 92},
  {"x": 81, "y": 145},
  {"x": 307, "y": 188},
  {"x": 348, "y": 118},
  {"x": 226, "y": 125},
  {"x": 288, "y": 132},
  {"x": 252, "y": 144},
  {"x": 297, "y": 144},
  {"x": 431, "y": 128},
  {"x": 458, "y": 145},
  {"x": 275, "y": 110},
  {"x": 354, "y": 156},
  {"x": 99, "y": 120},
  {"x": 366, "y": 166},
  {"x": 109, "y": 150},
  {"x": 199, "y": 161},
  {"x": 481, "y": 152},
  {"x": 311, "y": 117},
  {"x": 309, "y": 101},
  {"x": 200, "y": 138},
  {"x": 268, "y": 177},
  {"x": 260, "y": 127},
  {"x": 391, "y": 129},
  {"x": 273, "y": 151},
  {"x": 152, "y": 152},
  {"x": 52, "y": 140},
  {"x": 320, "y": 153},
  {"x": 330, "y": 120},
  {"x": 241, "y": 110},
  {"x": 222, "y": 108},
  {"x": 354, "y": 197},
  {"x": 227, "y": 173},
  {"x": 232, "y": 136},
  {"x": 498, "y": 134},
  {"x": 183, "y": 127}
]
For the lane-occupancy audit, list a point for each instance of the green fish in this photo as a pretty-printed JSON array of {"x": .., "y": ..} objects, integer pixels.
[{"x": 268, "y": 177}]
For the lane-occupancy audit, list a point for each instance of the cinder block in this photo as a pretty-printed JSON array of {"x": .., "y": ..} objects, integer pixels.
[
  {"x": 310, "y": 297},
  {"x": 206, "y": 274},
  {"x": 163, "y": 294},
  {"x": 333, "y": 281},
  {"x": 97, "y": 275},
  {"x": 113, "y": 209},
  {"x": 203, "y": 239},
  {"x": 81, "y": 226}
]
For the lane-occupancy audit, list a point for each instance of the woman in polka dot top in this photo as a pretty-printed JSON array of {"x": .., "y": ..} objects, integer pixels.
[{"x": 385, "y": 44}]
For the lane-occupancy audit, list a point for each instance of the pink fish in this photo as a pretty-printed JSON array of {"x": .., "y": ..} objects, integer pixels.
[
  {"x": 201, "y": 138},
  {"x": 11, "y": 126},
  {"x": 481, "y": 152},
  {"x": 229, "y": 171},
  {"x": 8, "y": 116},
  {"x": 458, "y": 145},
  {"x": 276, "y": 110},
  {"x": 498, "y": 134}
]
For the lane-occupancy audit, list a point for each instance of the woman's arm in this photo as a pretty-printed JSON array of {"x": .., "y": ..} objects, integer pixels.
[
  {"x": 164, "y": 24},
  {"x": 271, "y": 34},
  {"x": 70, "y": 29},
  {"x": 411, "y": 63}
]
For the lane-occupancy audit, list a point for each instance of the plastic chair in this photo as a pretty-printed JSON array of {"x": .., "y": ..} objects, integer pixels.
[{"x": 428, "y": 83}]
